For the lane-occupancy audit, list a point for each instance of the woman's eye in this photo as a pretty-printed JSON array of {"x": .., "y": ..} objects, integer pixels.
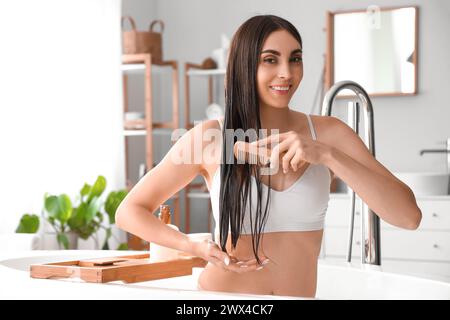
[
  {"x": 272, "y": 60},
  {"x": 269, "y": 60}
]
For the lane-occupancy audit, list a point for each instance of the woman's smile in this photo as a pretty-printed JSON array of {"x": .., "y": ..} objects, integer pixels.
[{"x": 280, "y": 90}]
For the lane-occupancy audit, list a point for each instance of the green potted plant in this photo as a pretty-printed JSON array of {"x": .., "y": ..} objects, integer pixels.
[
  {"x": 88, "y": 218},
  {"x": 82, "y": 220}
]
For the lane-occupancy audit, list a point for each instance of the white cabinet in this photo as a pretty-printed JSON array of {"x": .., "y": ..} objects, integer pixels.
[{"x": 425, "y": 251}]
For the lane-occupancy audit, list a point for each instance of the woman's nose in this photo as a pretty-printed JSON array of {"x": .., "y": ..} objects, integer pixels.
[{"x": 284, "y": 71}]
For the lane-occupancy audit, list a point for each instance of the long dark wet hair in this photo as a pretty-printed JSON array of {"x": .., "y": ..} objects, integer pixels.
[{"x": 242, "y": 112}]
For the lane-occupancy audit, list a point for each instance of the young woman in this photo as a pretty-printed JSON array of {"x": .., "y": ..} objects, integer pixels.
[{"x": 268, "y": 227}]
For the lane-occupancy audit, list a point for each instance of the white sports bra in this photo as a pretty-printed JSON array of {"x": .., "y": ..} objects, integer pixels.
[{"x": 300, "y": 207}]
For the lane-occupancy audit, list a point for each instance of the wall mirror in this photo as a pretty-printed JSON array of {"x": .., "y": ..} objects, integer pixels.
[{"x": 375, "y": 47}]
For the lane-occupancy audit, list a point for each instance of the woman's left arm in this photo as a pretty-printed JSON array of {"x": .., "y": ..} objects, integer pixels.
[
  {"x": 391, "y": 199},
  {"x": 347, "y": 156}
]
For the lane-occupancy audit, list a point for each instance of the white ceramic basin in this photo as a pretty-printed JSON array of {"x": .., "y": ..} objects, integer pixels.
[{"x": 426, "y": 183}]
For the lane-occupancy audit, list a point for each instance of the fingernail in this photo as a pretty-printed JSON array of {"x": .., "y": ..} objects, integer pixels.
[
  {"x": 240, "y": 262},
  {"x": 259, "y": 268},
  {"x": 244, "y": 266},
  {"x": 265, "y": 262},
  {"x": 227, "y": 261}
]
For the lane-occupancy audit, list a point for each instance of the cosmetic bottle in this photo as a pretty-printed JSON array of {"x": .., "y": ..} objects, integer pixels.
[{"x": 158, "y": 252}]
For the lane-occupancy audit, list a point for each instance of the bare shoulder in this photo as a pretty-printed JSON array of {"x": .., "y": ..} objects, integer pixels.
[
  {"x": 328, "y": 128},
  {"x": 208, "y": 135},
  {"x": 202, "y": 133},
  {"x": 324, "y": 126}
]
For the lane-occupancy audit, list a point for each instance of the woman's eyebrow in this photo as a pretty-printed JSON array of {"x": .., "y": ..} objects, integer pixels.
[{"x": 278, "y": 54}]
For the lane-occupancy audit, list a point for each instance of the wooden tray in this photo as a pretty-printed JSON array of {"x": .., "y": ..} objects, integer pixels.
[{"x": 129, "y": 269}]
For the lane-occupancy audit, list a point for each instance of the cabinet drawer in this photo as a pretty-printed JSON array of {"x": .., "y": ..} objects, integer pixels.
[
  {"x": 395, "y": 244},
  {"x": 419, "y": 245},
  {"x": 435, "y": 214}
]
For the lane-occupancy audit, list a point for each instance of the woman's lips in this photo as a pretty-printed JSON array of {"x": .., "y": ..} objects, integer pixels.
[{"x": 282, "y": 92}]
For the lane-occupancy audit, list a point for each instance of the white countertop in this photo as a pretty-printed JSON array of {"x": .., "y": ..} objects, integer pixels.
[{"x": 17, "y": 283}]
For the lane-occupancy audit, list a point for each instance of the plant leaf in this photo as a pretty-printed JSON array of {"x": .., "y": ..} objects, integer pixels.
[
  {"x": 59, "y": 207},
  {"x": 51, "y": 206},
  {"x": 85, "y": 190},
  {"x": 98, "y": 188},
  {"x": 112, "y": 203},
  {"x": 28, "y": 224},
  {"x": 77, "y": 219},
  {"x": 64, "y": 208},
  {"x": 92, "y": 209}
]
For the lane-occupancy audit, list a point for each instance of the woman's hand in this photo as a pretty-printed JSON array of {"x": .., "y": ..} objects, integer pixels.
[
  {"x": 295, "y": 148},
  {"x": 209, "y": 251}
]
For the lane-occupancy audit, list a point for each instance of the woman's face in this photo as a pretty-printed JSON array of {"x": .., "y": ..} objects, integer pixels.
[{"x": 280, "y": 69}]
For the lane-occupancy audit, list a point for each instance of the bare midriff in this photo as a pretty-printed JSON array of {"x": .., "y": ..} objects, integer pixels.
[{"x": 292, "y": 270}]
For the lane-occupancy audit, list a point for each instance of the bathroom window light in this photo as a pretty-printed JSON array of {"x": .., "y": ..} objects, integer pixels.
[{"x": 60, "y": 102}]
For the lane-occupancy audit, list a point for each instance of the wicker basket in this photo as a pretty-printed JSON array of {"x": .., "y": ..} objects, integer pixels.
[{"x": 134, "y": 42}]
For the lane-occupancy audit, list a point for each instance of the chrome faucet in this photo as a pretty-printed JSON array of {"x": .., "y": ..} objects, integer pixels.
[
  {"x": 370, "y": 222},
  {"x": 447, "y": 151}
]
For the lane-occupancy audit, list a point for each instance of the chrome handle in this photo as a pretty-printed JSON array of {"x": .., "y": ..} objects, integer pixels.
[{"x": 422, "y": 152}]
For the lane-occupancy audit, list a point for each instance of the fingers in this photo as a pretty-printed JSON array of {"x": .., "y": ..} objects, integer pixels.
[
  {"x": 296, "y": 159},
  {"x": 247, "y": 266},
  {"x": 214, "y": 251},
  {"x": 230, "y": 263},
  {"x": 286, "y": 160},
  {"x": 276, "y": 151},
  {"x": 266, "y": 141},
  {"x": 269, "y": 140}
]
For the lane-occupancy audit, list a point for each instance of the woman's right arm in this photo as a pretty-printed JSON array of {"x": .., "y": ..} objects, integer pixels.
[{"x": 136, "y": 212}]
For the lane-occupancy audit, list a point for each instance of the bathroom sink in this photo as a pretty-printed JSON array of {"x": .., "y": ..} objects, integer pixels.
[{"x": 426, "y": 183}]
